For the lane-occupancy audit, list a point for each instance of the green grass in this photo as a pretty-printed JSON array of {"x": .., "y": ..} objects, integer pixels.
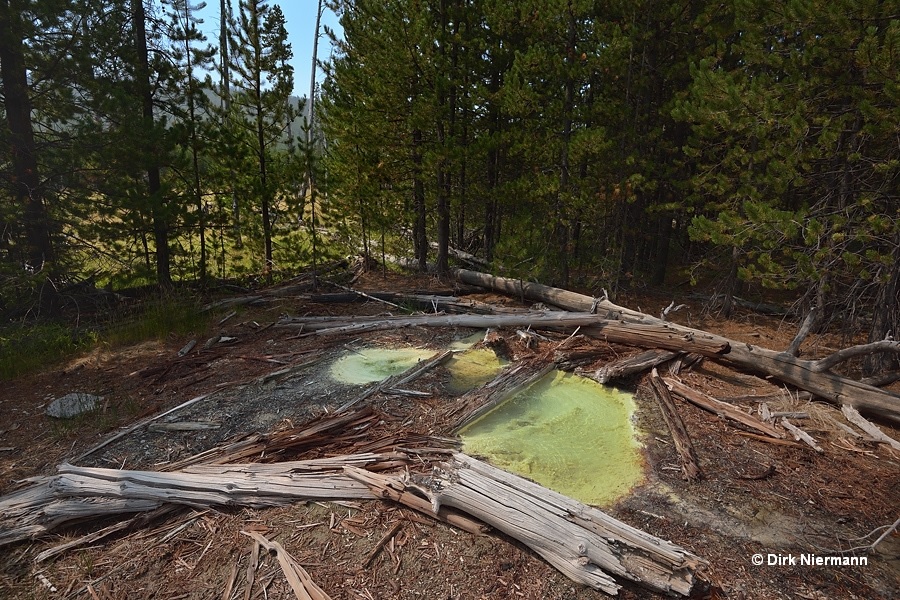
[
  {"x": 29, "y": 348},
  {"x": 157, "y": 319}
]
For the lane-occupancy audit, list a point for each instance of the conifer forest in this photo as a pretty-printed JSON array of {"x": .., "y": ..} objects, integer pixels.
[{"x": 749, "y": 146}]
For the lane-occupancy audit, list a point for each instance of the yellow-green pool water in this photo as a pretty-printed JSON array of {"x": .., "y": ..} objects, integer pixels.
[
  {"x": 368, "y": 365},
  {"x": 567, "y": 433},
  {"x": 472, "y": 369}
]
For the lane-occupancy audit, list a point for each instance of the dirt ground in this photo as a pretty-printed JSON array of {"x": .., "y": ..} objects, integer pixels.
[{"x": 783, "y": 502}]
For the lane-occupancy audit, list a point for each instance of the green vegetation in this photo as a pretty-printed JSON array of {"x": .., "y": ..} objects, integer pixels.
[
  {"x": 156, "y": 319},
  {"x": 28, "y": 348}
]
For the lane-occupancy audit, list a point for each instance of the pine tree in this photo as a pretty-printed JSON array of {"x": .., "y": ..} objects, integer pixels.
[{"x": 262, "y": 82}]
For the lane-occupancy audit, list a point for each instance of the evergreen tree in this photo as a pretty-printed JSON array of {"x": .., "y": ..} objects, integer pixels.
[{"x": 262, "y": 83}]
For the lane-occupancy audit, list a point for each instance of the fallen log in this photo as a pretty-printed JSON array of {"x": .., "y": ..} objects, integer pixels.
[
  {"x": 583, "y": 543},
  {"x": 653, "y": 335},
  {"x": 79, "y": 493},
  {"x": 804, "y": 374}
]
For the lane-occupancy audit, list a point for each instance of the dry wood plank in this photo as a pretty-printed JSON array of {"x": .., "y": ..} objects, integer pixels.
[
  {"x": 690, "y": 466},
  {"x": 722, "y": 409},
  {"x": 631, "y": 365},
  {"x": 782, "y": 366},
  {"x": 852, "y": 415}
]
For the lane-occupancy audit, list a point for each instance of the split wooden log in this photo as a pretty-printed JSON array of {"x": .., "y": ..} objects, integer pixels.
[
  {"x": 803, "y": 374},
  {"x": 400, "y": 489},
  {"x": 582, "y": 542},
  {"x": 631, "y": 365},
  {"x": 801, "y": 436},
  {"x": 79, "y": 493},
  {"x": 722, "y": 409},
  {"x": 852, "y": 415},
  {"x": 690, "y": 466}
]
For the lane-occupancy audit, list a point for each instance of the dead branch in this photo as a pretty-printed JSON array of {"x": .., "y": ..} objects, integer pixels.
[
  {"x": 852, "y": 415},
  {"x": 794, "y": 348},
  {"x": 825, "y": 364},
  {"x": 690, "y": 467},
  {"x": 722, "y": 409},
  {"x": 800, "y": 435}
]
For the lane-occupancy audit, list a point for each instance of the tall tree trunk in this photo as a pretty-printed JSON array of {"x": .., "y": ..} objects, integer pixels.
[
  {"x": 420, "y": 239},
  {"x": 195, "y": 143},
  {"x": 29, "y": 192},
  {"x": 443, "y": 177},
  {"x": 310, "y": 142},
  {"x": 886, "y": 321},
  {"x": 154, "y": 183},
  {"x": 561, "y": 226}
]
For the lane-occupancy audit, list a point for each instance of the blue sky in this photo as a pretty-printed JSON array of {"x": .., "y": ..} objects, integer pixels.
[{"x": 300, "y": 17}]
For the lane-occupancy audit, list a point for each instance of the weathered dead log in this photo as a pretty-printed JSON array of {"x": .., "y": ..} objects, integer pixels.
[
  {"x": 631, "y": 365},
  {"x": 722, "y": 409},
  {"x": 779, "y": 365},
  {"x": 583, "y": 543},
  {"x": 79, "y": 493},
  {"x": 690, "y": 466},
  {"x": 400, "y": 489}
]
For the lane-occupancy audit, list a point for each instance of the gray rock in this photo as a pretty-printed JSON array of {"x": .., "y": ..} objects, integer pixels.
[{"x": 72, "y": 405}]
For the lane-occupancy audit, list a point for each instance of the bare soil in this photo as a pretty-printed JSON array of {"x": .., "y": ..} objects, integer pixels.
[{"x": 755, "y": 496}]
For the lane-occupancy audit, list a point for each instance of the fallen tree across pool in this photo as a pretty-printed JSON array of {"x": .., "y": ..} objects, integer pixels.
[{"x": 813, "y": 376}]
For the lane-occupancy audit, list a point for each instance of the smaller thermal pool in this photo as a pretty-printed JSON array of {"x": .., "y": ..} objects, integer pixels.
[
  {"x": 472, "y": 369},
  {"x": 369, "y": 365},
  {"x": 567, "y": 433}
]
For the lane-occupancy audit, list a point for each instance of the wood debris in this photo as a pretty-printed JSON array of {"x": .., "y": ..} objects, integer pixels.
[
  {"x": 300, "y": 581},
  {"x": 852, "y": 415}
]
